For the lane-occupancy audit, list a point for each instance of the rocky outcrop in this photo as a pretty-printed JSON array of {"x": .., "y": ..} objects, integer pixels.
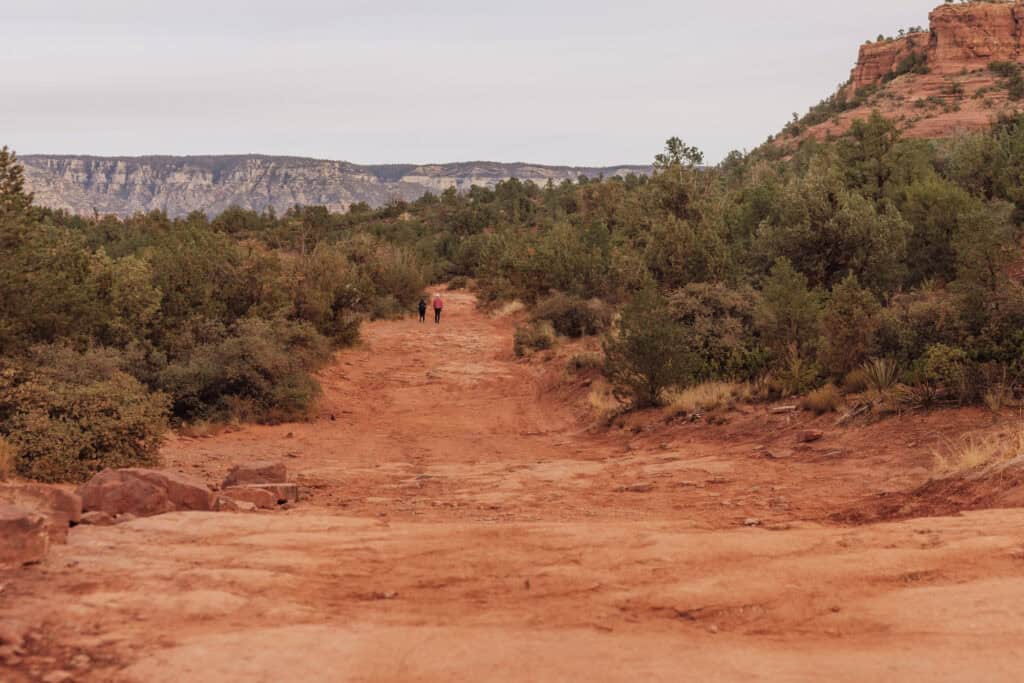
[
  {"x": 970, "y": 36},
  {"x": 878, "y": 60},
  {"x": 962, "y": 38},
  {"x": 933, "y": 83},
  {"x": 180, "y": 185}
]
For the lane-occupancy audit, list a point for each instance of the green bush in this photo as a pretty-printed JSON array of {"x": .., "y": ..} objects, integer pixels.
[
  {"x": 69, "y": 415},
  {"x": 537, "y": 336},
  {"x": 573, "y": 317},
  {"x": 646, "y": 353},
  {"x": 260, "y": 371}
]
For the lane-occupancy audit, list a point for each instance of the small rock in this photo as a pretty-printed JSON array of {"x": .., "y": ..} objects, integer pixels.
[
  {"x": 97, "y": 518},
  {"x": 81, "y": 661},
  {"x": 778, "y": 454},
  {"x": 58, "y": 677},
  {"x": 713, "y": 628},
  {"x": 751, "y": 521},
  {"x": 637, "y": 488},
  {"x": 809, "y": 435}
]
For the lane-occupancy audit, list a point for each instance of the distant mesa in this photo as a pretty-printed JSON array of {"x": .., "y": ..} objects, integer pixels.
[{"x": 179, "y": 185}]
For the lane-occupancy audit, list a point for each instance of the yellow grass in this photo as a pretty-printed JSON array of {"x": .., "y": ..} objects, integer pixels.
[
  {"x": 709, "y": 396},
  {"x": 511, "y": 308},
  {"x": 975, "y": 451},
  {"x": 8, "y": 455},
  {"x": 601, "y": 400}
]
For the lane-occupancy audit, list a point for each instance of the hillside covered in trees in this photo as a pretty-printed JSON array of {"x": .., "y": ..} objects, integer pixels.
[{"x": 869, "y": 261}]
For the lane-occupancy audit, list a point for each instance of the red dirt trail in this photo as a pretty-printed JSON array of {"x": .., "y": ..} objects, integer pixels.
[{"x": 462, "y": 523}]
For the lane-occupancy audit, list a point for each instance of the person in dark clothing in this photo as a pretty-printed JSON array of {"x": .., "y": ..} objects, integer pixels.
[
  {"x": 438, "y": 305},
  {"x": 423, "y": 309}
]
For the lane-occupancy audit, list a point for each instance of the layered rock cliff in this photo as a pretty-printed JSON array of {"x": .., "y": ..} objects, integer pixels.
[
  {"x": 934, "y": 83},
  {"x": 179, "y": 185}
]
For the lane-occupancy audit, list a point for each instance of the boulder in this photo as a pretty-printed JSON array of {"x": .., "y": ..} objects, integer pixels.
[
  {"x": 23, "y": 536},
  {"x": 253, "y": 494},
  {"x": 259, "y": 472},
  {"x": 283, "y": 493},
  {"x": 143, "y": 492},
  {"x": 61, "y": 508}
]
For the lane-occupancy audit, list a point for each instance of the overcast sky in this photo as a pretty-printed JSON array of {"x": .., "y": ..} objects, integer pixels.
[{"x": 375, "y": 81}]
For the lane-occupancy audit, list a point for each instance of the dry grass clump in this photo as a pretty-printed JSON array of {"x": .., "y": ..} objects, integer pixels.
[
  {"x": 510, "y": 308},
  {"x": 603, "y": 402},
  {"x": 531, "y": 337},
  {"x": 709, "y": 396},
  {"x": 975, "y": 451},
  {"x": 827, "y": 399},
  {"x": 855, "y": 382},
  {"x": 8, "y": 459}
]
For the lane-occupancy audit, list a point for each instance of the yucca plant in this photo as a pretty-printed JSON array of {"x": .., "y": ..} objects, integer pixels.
[{"x": 880, "y": 375}]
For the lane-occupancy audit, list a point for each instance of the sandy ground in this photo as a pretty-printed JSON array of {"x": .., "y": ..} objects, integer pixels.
[{"x": 462, "y": 522}]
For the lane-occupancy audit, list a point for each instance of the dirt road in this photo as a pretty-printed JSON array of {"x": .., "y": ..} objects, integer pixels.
[{"x": 462, "y": 523}]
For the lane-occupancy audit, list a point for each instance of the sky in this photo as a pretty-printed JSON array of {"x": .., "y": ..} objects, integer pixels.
[{"x": 402, "y": 81}]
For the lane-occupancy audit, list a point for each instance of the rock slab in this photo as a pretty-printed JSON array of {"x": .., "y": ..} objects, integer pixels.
[
  {"x": 24, "y": 537},
  {"x": 144, "y": 492},
  {"x": 61, "y": 508}
]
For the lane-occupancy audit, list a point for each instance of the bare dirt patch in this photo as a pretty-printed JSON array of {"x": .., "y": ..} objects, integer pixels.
[{"x": 461, "y": 522}]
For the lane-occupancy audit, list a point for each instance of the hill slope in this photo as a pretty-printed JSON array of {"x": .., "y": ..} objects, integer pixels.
[
  {"x": 179, "y": 185},
  {"x": 958, "y": 76}
]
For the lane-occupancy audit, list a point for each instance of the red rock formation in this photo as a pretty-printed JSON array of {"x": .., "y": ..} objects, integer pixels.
[
  {"x": 962, "y": 37},
  {"x": 877, "y": 60}
]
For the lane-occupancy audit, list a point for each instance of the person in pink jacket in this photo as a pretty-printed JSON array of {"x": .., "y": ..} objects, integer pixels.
[{"x": 438, "y": 305}]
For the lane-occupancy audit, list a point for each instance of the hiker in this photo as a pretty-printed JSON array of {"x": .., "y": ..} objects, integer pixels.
[
  {"x": 423, "y": 310},
  {"x": 438, "y": 305}
]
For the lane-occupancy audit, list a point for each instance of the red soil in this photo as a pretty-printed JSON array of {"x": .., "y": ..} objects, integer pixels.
[{"x": 461, "y": 522}]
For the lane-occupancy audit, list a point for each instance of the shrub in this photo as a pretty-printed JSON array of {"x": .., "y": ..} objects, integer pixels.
[
  {"x": 531, "y": 337},
  {"x": 855, "y": 382},
  {"x": 827, "y": 399},
  {"x": 647, "y": 353},
  {"x": 946, "y": 369},
  {"x": 260, "y": 371},
  {"x": 586, "y": 360},
  {"x": 458, "y": 282},
  {"x": 797, "y": 374},
  {"x": 573, "y": 317},
  {"x": 70, "y": 415}
]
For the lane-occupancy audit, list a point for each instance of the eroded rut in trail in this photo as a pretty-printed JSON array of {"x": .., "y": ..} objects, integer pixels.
[{"x": 461, "y": 523}]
